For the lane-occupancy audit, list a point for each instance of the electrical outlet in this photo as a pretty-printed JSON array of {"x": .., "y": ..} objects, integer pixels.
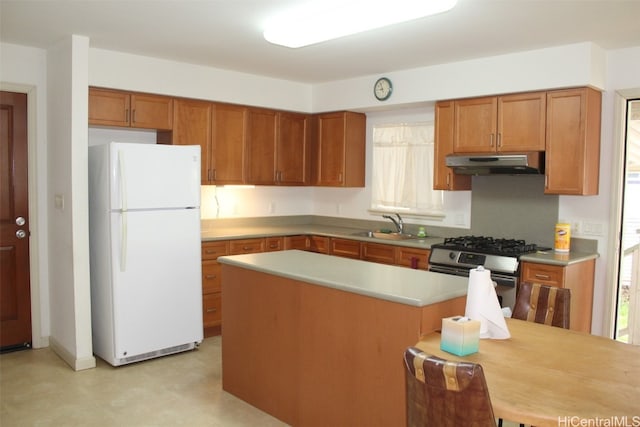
[
  {"x": 576, "y": 227},
  {"x": 593, "y": 228}
]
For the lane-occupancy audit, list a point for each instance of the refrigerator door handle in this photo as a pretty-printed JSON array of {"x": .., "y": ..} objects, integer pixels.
[{"x": 123, "y": 217}]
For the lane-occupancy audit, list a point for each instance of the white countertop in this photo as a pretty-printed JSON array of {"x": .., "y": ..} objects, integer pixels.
[{"x": 398, "y": 284}]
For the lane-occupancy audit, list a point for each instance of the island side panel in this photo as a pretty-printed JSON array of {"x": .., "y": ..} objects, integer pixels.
[
  {"x": 433, "y": 314},
  {"x": 260, "y": 340},
  {"x": 351, "y": 358},
  {"x": 316, "y": 356}
]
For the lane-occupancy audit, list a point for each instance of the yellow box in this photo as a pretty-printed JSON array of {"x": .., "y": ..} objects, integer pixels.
[{"x": 460, "y": 335}]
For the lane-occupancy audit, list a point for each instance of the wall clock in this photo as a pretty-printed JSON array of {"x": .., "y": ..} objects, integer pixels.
[{"x": 382, "y": 89}]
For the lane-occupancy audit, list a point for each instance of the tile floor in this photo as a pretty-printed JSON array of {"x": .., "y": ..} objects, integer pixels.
[{"x": 38, "y": 389}]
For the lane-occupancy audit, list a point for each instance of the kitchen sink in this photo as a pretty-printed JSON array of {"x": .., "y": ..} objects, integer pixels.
[{"x": 385, "y": 236}]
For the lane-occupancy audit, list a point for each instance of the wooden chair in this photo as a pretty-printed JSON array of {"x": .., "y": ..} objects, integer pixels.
[
  {"x": 444, "y": 393},
  {"x": 538, "y": 303}
]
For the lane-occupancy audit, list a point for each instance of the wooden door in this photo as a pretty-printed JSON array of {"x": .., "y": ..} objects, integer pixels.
[
  {"x": 15, "y": 294},
  {"x": 261, "y": 146},
  {"x": 475, "y": 125},
  {"x": 443, "y": 176},
  {"x": 109, "y": 107},
  {"x": 151, "y": 111},
  {"x": 331, "y": 149},
  {"x": 228, "y": 144},
  {"x": 292, "y": 152},
  {"x": 522, "y": 122},
  {"x": 192, "y": 126}
]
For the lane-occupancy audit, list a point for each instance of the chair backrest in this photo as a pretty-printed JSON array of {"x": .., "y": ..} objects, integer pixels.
[
  {"x": 543, "y": 304},
  {"x": 444, "y": 393}
]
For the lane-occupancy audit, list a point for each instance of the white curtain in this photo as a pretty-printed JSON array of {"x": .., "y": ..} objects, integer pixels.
[{"x": 403, "y": 169}]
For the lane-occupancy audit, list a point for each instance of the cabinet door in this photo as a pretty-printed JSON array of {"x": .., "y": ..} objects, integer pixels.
[
  {"x": 297, "y": 242},
  {"x": 522, "y": 122},
  {"x": 376, "y": 252},
  {"x": 108, "y": 107},
  {"x": 475, "y": 125},
  {"x": 151, "y": 111},
  {"x": 443, "y": 177},
  {"x": 345, "y": 248},
  {"x": 261, "y": 146},
  {"x": 573, "y": 141},
  {"x": 192, "y": 126},
  {"x": 410, "y": 257},
  {"x": 318, "y": 244},
  {"x": 340, "y": 149},
  {"x": 228, "y": 144},
  {"x": 292, "y": 150}
]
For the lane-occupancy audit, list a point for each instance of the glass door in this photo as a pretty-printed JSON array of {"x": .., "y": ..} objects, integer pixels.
[{"x": 628, "y": 301}]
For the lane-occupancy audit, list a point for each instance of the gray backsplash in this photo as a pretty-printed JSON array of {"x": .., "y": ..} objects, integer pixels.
[{"x": 513, "y": 206}]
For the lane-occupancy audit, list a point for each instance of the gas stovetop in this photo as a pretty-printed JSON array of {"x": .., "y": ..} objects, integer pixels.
[{"x": 489, "y": 245}]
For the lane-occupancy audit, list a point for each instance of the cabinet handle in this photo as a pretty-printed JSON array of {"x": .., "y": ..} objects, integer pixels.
[
  {"x": 491, "y": 140},
  {"x": 543, "y": 276},
  {"x": 449, "y": 180},
  {"x": 126, "y": 115},
  {"x": 133, "y": 116},
  {"x": 211, "y": 310},
  {"x": 499, "y": 140},
  {"x": 210, "y": 276},
  {"x": 247, "y": 248}
]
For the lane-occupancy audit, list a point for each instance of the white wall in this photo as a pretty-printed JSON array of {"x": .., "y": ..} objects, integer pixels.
[
  {"x": 24, "y": 69},
  {"x": 67, "y": 107}
]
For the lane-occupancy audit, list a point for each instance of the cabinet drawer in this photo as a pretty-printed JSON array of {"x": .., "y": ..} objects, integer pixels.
[
  {"x": 385, "y": 254},
  {"x": 212, "y": 250},
  {"x": 407, "y": 257},
  {"x": 345, "y": 248},
  {"x": 543, "y": 273},
  {"x": 246, "y": 246},
  {"x": 211, "y": 277},
  {"x": 212, "y": 309},
  {"x": 273, "y": 244}
]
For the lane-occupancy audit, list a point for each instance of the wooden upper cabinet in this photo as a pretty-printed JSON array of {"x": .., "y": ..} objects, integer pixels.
[
  {"x": 117, "y": 108},
  {"x": 340, "y": 149},
  {"x": 522, "y": 122},
  {"x": 192, "y": 126},
  {"x": 261, "y": 146},
  {"x": 508, "y": 123},
  {"x": 573, "y": 141},
  {"x": 443, "y": 176},
  {"x": 228, "y": 144},
  {"x": 292, "y": 149},
  {"x": 109, "y": 107}
]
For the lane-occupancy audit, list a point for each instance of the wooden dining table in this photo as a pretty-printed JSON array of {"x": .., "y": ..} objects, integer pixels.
[{"x": 549, "y": 376}]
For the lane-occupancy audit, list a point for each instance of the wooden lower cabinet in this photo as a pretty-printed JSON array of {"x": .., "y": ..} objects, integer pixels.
[
  {"x": 212, "y": 286},
  {"x": 413, "y": 257},
  {"x": 578, "y": 277},
  {"x": 318, "y": 244},
  {"x": 300, "y": 242},
  {"x": 246, "y": 246},
  {"x": 378, "y": 252},
  {"x": 345, "y": 248}
]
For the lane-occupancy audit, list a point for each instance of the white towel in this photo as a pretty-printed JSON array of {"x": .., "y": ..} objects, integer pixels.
[{"x": 483, "y": 305}]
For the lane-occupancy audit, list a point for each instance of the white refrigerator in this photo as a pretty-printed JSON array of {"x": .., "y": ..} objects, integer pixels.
[{"x": 145, "y": 257}]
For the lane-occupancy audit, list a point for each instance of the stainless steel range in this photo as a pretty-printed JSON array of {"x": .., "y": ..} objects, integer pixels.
[{"x": 458, "y": 255}]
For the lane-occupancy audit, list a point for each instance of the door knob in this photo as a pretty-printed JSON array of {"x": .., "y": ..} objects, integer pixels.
[
  {"x": 21, "y": 234},
  {"x": 20, "y": 221}
]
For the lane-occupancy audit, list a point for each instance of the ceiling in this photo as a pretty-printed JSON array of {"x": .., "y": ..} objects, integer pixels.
[{"x": 227, "y": 34}]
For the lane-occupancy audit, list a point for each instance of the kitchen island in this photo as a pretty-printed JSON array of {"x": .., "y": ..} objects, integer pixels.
[{"x": 318, "y": 340}]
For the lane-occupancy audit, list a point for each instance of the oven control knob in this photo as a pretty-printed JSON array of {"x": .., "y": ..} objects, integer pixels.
[{"x": 452, "y": 255}]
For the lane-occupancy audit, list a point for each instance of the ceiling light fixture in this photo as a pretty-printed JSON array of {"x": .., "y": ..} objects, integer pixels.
[{"x": 323, "y": 20}]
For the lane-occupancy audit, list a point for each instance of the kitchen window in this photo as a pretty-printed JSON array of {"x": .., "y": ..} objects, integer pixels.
[{"x": 403, "y": 170}]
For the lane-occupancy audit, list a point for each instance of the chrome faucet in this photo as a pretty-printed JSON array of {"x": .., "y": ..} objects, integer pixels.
[{"x": 399, "y": 224}]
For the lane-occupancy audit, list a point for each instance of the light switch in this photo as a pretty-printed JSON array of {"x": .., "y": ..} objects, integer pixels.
[{"x": 58, "y": 201}]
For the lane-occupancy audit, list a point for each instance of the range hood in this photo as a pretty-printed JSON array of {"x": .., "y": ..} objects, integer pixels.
[{"x": 501, "y": 164}]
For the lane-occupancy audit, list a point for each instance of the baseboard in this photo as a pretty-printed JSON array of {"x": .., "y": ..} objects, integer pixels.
[{"x": 70, "y": 359}]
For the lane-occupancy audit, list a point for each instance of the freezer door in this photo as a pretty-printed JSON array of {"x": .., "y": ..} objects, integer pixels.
[
  {"x": 150, "y": 176},
  {"x": 156, "y": 270}
]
